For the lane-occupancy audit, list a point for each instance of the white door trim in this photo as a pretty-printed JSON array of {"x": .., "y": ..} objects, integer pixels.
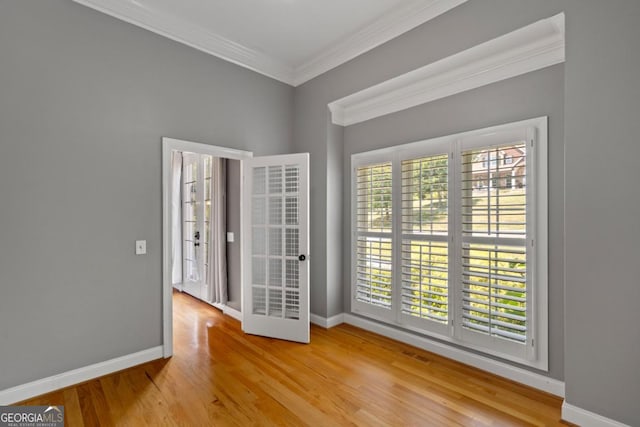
[{"x": 169, "y": 145}]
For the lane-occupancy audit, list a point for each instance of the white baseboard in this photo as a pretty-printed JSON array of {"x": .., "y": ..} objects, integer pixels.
[
  {"x": 335, "y": 320},
  {"x": 326, "y": 322},
  {"x": 318, "y": 320},
  {"x": 229, "y": 311},
  {"x": 585, "y": 418},
  {"x": 76, "y": 376},
  {"x": 502, "y": 369}
]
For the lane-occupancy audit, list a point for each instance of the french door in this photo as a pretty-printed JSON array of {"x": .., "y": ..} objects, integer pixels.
[
  {"x": 276, "y": 251},
  {"x": 196, "y": 214}
]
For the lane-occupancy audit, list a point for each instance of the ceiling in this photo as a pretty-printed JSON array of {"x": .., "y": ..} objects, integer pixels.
[{"x": 289, "y": 40}]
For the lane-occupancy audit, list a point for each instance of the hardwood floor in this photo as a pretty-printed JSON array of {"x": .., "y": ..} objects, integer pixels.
[{"x": 219, "y": 376}]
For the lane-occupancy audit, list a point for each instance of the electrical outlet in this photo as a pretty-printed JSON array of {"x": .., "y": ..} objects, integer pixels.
[{"x": 141, "y": 247}]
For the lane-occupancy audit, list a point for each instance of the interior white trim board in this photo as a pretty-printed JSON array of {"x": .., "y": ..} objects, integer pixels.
[
  {"x": 389, "y": 26},
  {"x": 585, "y": 418},
  {"x": 76, "y": 376},
  {"x": 232, "y": 312},
  {"x": 527, "y": 49},
  {"x": 225, "y": 309},
  {"x": 325, "y": 322}
]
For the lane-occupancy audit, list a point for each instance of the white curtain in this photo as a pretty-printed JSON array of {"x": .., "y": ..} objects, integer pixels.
[
  {"x": 218, "y": 238},
  {"x": 176, "y": 217}
]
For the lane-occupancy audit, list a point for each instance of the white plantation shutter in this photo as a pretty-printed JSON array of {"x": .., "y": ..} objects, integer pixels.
[
  {"x": 373, "y": 252},
  {"x": 494, "y": 257},
  {"x": 425, "y": 241},
  {"x": 374, "y": 271},
  {"x": 450, "y": 239},
  {"x": 494, "y": 290}
]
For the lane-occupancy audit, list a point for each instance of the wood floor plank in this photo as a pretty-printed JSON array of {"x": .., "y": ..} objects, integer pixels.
[
  {"x": 220, "y": 376},
  {"x": 89, "y": 414},
  {"x": 72, "y": 413}
]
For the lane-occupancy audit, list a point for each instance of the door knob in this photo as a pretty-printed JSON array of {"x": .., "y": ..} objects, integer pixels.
[{"x": 301, "y": 257}]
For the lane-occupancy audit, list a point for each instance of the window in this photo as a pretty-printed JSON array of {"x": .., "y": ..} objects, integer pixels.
[{"x": 450, "y": 242}]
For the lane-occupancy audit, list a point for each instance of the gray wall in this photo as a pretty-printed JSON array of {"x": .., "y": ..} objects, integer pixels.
[
  {"x": 84, "y": 102},
  {"x": 234, "y": 283},
  {"x": 602, "y": 125},
  {"x": 495, "y": 104},
  {"x": 461, "y": 28}
]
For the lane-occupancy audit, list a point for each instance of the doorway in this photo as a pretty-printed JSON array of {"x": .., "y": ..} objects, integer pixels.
[
  {"x": 273, "y": 244},
  {"x": 186, "y": 236}
]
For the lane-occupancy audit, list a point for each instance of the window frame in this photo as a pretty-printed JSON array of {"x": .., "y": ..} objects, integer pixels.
[{"x": 534, "y": 352}]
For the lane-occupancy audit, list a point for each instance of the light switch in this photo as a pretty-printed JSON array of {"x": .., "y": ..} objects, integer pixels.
[
  {"x": 141, "y": 247},
  {"x": 230, "y": 237}
]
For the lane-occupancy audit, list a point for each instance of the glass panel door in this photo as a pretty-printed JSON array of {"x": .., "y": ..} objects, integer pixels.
[
  {"x": 276, "y": 284},
  {"x": 196, "y": 214}
]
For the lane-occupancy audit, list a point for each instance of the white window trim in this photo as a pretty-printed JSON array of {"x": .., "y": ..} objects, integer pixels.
[{"x": 536, "y": 356}]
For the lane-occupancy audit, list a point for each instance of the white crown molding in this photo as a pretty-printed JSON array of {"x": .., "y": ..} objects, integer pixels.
[
  {"x": 514, "y": 373},
  {"x": 527, "y": 49},
  {"x": 389, "y": 26},
  {"x": 585, "y": 418},
  {"x": 192, "y": 35},
  {"x": 39, "y": 387}
]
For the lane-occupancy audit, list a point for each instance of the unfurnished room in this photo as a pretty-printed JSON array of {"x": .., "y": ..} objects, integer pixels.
[{"x": 302, "y": 212}]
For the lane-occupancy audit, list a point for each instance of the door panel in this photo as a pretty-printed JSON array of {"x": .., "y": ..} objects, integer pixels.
[
  {"x": 194, "y": 236},
  {"x": 276, "y": 218}
]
